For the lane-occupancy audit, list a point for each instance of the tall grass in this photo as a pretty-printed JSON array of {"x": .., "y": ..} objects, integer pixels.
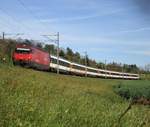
[{"x": 30, "y": 98}]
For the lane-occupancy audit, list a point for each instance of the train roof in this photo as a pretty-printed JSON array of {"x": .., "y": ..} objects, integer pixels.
[
  {"x": 101, "y": 70},
  {"x": 24, "y": 46},
  {"x": 61, "y": 59}
]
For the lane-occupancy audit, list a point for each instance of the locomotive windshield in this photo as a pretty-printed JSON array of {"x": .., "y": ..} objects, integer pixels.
[{"x": 23, "y": 50}]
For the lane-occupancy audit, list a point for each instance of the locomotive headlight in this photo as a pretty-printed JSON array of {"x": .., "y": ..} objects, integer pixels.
[{"x": 29, "y": 57}]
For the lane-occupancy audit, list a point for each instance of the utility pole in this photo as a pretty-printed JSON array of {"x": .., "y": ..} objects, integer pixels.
[
  {"x": 56, "y": 41},
  {"x": 18, "y": 34},
  {"x": 5, "y": 34}
]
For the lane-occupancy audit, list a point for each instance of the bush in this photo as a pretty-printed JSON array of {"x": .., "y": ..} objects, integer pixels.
[
  {"x": 6, "y": 49},
  {"x": 133, "y": 91}
]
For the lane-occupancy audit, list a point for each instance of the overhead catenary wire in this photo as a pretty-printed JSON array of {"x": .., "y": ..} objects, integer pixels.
[
  {"x": 8, "y": 28},
  {"x": 7, "y": 23},
  {"x": 13, "y": 18},
  {"x": 32, "y": 14},
  {"x": 5, "y": 26},
  {"x": 18, "y": 22},
  {"x": 57, "y": 42},
  {"x": 10, "y": 34}
]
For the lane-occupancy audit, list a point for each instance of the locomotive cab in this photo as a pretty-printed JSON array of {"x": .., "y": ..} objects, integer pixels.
[
  {"x": 22, "y": 55},
  {"x": 31, "y": 56}
]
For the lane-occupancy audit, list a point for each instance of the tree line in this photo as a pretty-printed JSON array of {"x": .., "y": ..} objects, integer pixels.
[
  {"x": 70, "y": 55},
  {"x": 76, "y": 57}
]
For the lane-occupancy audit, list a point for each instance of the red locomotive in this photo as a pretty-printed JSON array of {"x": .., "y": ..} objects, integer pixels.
[{"x": 31, "y": 56}]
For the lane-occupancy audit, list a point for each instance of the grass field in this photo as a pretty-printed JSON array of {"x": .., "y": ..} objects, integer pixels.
[{"x": 30, "y": 98}]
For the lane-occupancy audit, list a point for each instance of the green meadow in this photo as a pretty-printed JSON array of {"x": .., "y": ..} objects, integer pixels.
[{"x": 30, "y": 98}]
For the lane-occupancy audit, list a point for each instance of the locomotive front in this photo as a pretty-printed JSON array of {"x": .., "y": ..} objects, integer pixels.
[{"x": 22, "y": 54}]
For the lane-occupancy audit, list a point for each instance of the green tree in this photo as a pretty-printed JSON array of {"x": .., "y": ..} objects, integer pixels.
[
  {"x": 62, "y": 53},
  {"x": 77, "y": 57},
  {"x": 69, "y": 54},
  {"x": 101, "y": 65},
  {"x": 39, "y": 45},
  {"x": 50, "y": 48}
]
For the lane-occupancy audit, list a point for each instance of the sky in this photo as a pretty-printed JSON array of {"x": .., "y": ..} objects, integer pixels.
[{"x": 111, "y": 30}]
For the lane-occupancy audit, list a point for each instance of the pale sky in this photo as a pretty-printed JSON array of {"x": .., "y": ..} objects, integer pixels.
[{"x": 115, "y": 30}]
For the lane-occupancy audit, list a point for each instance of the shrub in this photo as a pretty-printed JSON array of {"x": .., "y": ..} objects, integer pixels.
[{"x": 133, "y": 91}]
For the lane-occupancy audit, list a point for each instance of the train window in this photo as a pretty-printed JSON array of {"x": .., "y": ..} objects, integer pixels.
[
  {"x": 116, "y": 74},
  {"x": 102, "y": 72},
  {"x": 91, "y": 70},
  {"x": 53, "y": 60},
  {"x": 64, "y": 63},
  {"x": 107, "y": 73},
  {"x": 133, "y": 75},
  {"x": 78, "y": 67},
  {"x": 23, "y": 51}
]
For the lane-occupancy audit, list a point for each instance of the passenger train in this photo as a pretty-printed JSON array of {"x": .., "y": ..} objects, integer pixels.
[{"x": 34, "y": 57}]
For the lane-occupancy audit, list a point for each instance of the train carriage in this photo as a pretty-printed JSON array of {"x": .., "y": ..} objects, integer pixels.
[{"x": 39, "y": 59}]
